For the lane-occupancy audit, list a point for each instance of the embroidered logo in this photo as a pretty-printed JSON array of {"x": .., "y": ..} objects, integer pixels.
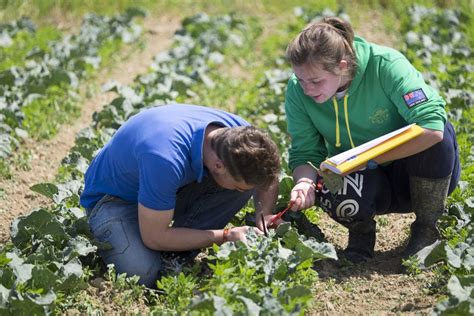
[
  {"x": 415, "y": 97},
  {"x": 379, "y": 116}
]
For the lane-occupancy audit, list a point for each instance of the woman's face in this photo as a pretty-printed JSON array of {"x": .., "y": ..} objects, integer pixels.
[{"x": 316, "y": 82}]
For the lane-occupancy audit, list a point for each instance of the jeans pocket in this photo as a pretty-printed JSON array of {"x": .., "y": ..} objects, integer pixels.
[
  {"x": 93, "y": 212},
  {"x": 114, "y": 234}
]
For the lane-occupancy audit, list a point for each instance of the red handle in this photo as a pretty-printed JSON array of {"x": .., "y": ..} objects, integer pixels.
[
  {"x": 280, "y": 214},
  {"x": 318, "y": 187}
]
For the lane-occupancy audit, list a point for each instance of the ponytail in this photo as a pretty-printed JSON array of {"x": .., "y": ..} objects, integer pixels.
[{"x": 324, "y": 43}]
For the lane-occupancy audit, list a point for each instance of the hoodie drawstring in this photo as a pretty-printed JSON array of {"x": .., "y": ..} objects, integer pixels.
[
  {"x": 338, "y": 134},
  {"x": 346, "y": 116}
]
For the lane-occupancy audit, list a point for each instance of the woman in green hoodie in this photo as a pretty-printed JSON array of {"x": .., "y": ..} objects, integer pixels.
[{"x": 346, "y": 91}]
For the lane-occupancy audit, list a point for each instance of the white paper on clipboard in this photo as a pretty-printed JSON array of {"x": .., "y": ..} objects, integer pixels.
[{"x": 348, "y": 154}]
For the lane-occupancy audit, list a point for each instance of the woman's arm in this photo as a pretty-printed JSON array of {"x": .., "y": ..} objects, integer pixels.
[{"x": 412, "y": 147}]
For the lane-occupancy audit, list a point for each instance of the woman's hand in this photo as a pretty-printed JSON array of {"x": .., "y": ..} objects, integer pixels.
[{"x": 303, "y": 195}]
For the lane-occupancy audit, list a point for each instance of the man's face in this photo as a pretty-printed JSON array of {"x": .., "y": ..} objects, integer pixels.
[
  {"x": 316, "y": 82},
  {"x": 226, "y": 181}
]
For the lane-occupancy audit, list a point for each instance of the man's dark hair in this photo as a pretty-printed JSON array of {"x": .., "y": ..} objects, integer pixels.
[{"x": 248, "y": 153}]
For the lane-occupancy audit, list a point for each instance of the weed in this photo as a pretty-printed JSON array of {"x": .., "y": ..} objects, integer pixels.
[
  {"x": 23, "y": 160},
  {"x": 412, "y": 265},
  {"x": 382, "y": 221}
]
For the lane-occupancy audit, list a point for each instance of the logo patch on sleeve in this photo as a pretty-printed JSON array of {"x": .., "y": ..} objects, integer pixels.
[{"x": 415, "y": 97}]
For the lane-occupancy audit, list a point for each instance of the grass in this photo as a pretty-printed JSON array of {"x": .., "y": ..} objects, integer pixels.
[{"x": 23, "y": 42}]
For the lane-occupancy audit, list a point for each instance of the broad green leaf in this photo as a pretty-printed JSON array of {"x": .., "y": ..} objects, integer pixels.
[
  {"x": 298, "y": 292},
  {"x": 281, "y": 272},
  {"x": 135, "y": 12},
  {"x": 7, "y": 78},
  {"x": 453, "y": 259},
  {"x": 73, "y": 267},
  {"x": 468, "y": 260},
  {"x": 321, "y": 250},
  {"x": 432, "y": 253},
  {"x": 291, "y": 239},
  {"x": 43, "y": 278},
  {"x": 4, "y": 260},
  {"x": 46, "y": 189},
  {"x": 46, "y": 299},
  {"x": 25, "y": 306},
  {"x": 38, "y": 224},
  {"x": 282, "y": 229},
  {"x": 221, "y": 307},
  {"x": 4, "y": 296},
  {"x": 303, "y": 252},
  {"x": 80, "y": 246},
  {"x": 284, "y": 253},
  {"x": 7, "y": 277},
  {"x": 252, "y": 308},
  {"x": 456, "y": 289},
  {"x": 285, "y": 187},
  {"x": 467, "y": 281},
  {"x": 21, "y": 270},
  {"x": 203, "y": 305}
]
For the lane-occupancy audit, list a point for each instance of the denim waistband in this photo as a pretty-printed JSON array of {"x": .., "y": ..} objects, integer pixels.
[{"x": 92, "y": 211}]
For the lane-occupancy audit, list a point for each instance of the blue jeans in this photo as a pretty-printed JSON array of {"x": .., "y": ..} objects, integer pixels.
[{"x": 115, "y": 221}]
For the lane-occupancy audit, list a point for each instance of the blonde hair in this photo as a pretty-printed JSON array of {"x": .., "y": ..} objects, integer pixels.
[{"x": 324, "y": 43}]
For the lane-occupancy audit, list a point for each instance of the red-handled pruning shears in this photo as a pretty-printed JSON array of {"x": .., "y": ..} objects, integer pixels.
[
  {"x": 318, "y": 187},
  {"x": 280, "y": 214}
]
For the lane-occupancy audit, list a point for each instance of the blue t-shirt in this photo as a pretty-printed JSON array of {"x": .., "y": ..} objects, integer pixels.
[{"x": 153, "y": 154}]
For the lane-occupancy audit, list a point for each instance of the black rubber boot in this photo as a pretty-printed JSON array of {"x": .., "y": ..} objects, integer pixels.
[
  {"x": 428, "y": 198},
  {"x": 361, "y": 241}
]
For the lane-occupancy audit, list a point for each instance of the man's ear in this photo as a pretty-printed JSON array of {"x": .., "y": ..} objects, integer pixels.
[{"x": 219, "y": 167}]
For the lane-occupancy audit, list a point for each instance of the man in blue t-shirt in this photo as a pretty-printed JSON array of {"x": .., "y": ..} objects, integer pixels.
[{"x": 171, "y": 178}]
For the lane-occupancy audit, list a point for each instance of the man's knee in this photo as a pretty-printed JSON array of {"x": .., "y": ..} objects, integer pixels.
[
  {"x": 147, "y": 266},
  {"x": 126, "y": 251}
]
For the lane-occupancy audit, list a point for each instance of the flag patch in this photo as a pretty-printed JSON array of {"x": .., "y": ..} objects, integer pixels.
[{"x": 415, "y": 97}]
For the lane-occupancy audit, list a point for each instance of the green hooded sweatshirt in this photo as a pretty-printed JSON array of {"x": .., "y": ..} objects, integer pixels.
[{"x": 386, "y": 93}]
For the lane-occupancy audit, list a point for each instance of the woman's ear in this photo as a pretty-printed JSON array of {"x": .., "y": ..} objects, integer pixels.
[{"x": 343, "y": 66}]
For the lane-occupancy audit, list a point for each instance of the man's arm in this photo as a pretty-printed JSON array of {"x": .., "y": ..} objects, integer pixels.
[
  {"x": 157, "y": 234},
  {"x": 264, "y": 202}
]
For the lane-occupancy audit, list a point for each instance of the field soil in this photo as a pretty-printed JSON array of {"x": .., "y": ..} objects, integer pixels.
[
  {"x": 46, "y": 156},
  {"x": 374, "y": 288}
]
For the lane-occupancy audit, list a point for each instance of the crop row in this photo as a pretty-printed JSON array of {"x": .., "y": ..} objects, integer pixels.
[
  {"x": 436, "y": 43},
  {"x": 52, "y": 255},
  {"x": 56, "y": 242},
  {"x": 48, "y": 82}
]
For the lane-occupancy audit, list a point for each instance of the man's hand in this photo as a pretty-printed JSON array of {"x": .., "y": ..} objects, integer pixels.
[
  {"x": 268, "y": 218},
  {"x": 240, "y": 233}
]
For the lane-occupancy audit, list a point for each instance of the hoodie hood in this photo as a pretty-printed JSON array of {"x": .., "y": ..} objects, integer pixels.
[{"x": 362, "y": 48}]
